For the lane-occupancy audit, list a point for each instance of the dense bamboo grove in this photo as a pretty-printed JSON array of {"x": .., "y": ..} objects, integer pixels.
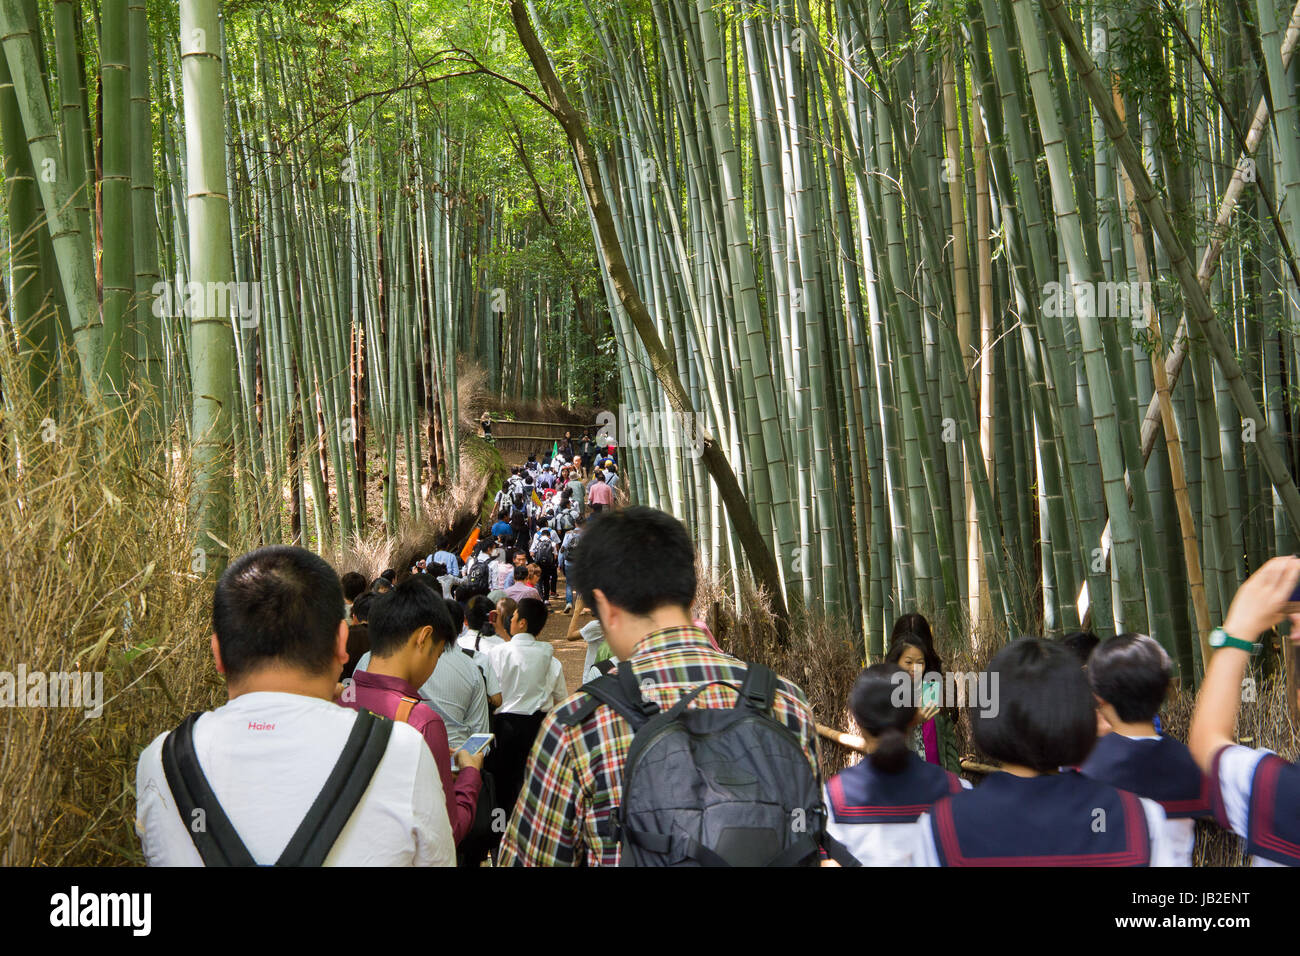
[
  {"x": 275, "y": 254},
  {"x": 988, "y": 309},
  {"x": 934, "y": 316}
]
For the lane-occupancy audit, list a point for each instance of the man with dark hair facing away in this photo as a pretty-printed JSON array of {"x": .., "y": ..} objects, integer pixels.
[
  {"x": 636, "y": 568},
  {"x": 1130, "y": 676},
  {"x": 280, "y": 641}
]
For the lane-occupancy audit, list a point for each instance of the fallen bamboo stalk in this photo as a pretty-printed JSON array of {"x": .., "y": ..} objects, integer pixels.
[{"x": 850, "y": 741}]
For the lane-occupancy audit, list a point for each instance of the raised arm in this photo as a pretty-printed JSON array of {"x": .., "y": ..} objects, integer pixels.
[
  {"x": 574, "y": 633},
  {"x": 1258, "y": 606}
]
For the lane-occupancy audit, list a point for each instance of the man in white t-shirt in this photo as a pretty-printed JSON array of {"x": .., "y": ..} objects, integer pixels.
[
  {"x": 280, "y": 641},
  {"x": 594, "y": 635},
  {"x": 1254, "y": 792}
]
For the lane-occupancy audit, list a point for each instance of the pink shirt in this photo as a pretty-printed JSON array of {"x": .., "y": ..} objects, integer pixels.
[
  {"x": 381, "y": 694},
  {"x": 600, "y": 494},
  {"x": 522, "y": 589}
]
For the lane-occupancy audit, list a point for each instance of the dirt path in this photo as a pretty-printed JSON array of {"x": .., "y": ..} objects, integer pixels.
[{"x": 570, "y": 654}]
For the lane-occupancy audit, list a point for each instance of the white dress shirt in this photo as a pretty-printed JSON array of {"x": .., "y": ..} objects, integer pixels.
[
  {"x": 266, "y": 756},
  {"x": 466, "y": 642},
  {"x": 531, "y": 678}
]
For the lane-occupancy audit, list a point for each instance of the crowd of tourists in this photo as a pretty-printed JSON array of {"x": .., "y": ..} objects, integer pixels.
[{"x": 358, "y": 713}]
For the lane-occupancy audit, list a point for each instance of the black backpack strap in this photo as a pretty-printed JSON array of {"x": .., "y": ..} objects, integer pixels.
[
  {"x": 212, "y": 832},
  {"x": 838, "y": 852},
  {"x": 620, "y": 691},
  {"x": 604, "y": 666},
  {"x": 347, "y": 782},
  {"x": 675, "y": 846},
  {"x": 759, "y": 689},
  {"x": 803, "y": 847}
]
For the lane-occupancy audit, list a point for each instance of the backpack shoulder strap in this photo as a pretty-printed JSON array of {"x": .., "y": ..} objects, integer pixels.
[
  {"x": 619, "y": 691},
  {"x": 213, "y": 834},
  {"x": 404, "y": 708},
  {"x": 759, "y": 689},
  {"x": 347, "y": 783},
  {"x": 837, "y": 851}
]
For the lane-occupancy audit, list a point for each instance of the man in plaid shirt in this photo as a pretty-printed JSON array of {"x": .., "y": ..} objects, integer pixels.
[{"x": 636, "y": 567}]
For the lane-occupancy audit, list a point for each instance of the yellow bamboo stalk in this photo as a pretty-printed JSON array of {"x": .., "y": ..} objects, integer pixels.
[{"x": 1173, "y": 444}]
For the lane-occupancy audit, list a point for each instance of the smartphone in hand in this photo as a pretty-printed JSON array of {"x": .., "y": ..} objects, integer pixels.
[{"x": 478, "y": 743}]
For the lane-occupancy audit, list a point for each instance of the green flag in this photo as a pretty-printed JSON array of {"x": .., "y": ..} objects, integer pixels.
[{"x": 555, "y": 449}]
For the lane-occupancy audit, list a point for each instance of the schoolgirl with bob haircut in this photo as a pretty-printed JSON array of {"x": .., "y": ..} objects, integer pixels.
[{"x": 1031, "y": 813}]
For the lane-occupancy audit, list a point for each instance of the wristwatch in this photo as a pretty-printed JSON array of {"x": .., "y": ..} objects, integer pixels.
[{"x": 1220, "y": 638}]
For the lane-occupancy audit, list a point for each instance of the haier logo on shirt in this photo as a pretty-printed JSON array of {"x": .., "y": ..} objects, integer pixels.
[
  {"x": 76, "y": 909},
  {"x": 258, "y": 725}
]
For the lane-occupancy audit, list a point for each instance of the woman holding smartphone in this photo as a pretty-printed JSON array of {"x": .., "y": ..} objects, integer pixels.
[{"x": 934, "y": 738}]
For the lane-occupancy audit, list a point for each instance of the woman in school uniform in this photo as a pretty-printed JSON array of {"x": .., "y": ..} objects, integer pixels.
[
  {"x": 874, "y": 805},
  {"x": 1254, "y": 791},
  {"x": 1040, "y": 718}
]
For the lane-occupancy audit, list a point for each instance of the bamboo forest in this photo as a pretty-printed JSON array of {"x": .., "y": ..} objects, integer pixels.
[{"x": 982, "y": 313}]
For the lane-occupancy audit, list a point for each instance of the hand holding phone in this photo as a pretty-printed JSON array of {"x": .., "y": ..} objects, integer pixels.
[{"x": 930, "y": 693}]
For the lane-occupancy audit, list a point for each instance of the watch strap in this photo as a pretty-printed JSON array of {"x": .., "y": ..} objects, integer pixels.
[{"x": 1227, "y": 640}]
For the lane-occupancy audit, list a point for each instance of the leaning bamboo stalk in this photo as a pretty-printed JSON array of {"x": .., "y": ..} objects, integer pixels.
[
  {"x": 760, "y": 556},
  {"x": 71, "y": 243}
]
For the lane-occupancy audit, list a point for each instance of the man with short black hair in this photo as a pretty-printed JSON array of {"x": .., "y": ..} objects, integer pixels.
[
  {"x": 354, "y": 585},
  {"x": 1130, "y": 676},
  {"x": 411, "y": 632},
  {"x": 456, "y": 690},
  {"x": 280, "y": 641},
  {"x": 532, "y": 682},
  {"x": 636, "y": 568}
]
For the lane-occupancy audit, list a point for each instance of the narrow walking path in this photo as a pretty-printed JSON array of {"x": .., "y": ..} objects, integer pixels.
[{"x": 570, "y": 654}]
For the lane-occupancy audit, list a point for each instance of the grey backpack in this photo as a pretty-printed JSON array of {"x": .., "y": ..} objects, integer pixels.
[{"x": 713, "y": 786}]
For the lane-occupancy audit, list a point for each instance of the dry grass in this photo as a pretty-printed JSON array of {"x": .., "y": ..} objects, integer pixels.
[
  {"x": 452, "y": 512},
  {"x": 822, "y": 656},
  {"x": 97, "y": 550},
  {"x": 98, "y": 578}
]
